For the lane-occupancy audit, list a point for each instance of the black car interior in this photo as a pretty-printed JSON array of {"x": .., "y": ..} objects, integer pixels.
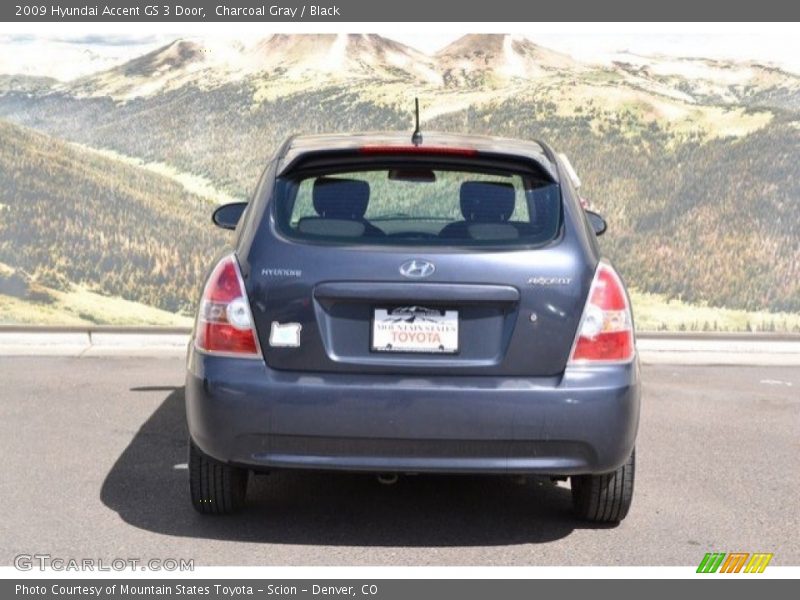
[
  {"x": 340, "y": 205},
  {"x": 486, "y": 207}
]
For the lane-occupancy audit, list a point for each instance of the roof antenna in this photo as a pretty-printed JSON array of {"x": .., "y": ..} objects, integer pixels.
[{"x": 416, "y": 137}]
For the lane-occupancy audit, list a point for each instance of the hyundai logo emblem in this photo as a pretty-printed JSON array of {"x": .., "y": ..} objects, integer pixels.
[{"x": 417, "y": 269}]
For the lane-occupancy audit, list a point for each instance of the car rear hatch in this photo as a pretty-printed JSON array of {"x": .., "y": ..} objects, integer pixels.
[{"x": 416, "y": 263}]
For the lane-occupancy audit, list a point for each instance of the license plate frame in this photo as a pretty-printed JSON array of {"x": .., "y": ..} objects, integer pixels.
[{"x": 415, "y": 330}]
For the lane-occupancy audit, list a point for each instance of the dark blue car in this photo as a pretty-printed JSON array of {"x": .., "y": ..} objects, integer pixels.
[{"x": 431, "y": 307}]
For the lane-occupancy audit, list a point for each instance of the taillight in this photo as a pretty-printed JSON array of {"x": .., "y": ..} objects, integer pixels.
[
  {"x": 224, "y": 322},
  {"x": 605, "y": 333}
]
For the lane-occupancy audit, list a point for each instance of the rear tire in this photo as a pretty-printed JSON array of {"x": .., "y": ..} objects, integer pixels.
[
  {"x": 216, "y": 488},
  {"x": 604, "y": 498}
]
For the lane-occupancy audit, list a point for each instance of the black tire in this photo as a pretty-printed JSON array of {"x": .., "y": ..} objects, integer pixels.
[
  {"x": 604, "y": 498},
  {"x": 216, "y": 488}
]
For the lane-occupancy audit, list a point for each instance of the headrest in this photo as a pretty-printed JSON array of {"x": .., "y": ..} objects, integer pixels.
[
  {"x": 340, "y": 198},
  {"x": 487, "y": 201}
]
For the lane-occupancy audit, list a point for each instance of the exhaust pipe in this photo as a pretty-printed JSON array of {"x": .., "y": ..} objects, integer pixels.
[{"x": 388, "y": 478}]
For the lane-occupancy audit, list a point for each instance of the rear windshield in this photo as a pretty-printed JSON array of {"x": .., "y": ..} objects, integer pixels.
[{"x": 418, "y": 205}]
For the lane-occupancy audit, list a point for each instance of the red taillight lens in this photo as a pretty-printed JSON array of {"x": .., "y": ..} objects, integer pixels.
[
  {"x": 224, "y": 322},
  {"x": 606, "y": 329}
]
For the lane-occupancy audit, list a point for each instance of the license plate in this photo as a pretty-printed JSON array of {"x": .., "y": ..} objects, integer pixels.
[{"x": 415, "y": 329}]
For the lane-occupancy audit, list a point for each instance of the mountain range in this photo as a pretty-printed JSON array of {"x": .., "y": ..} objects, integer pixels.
[
  {"x": 693, "y": 160},
  {"x": 474, "y": 60}
]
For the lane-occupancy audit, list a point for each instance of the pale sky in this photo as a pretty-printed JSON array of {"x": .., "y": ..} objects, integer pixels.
[{"x": 46, "y": 48}]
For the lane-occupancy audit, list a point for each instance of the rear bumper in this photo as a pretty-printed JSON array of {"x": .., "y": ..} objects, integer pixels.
[{"x": 242, "y": 412}]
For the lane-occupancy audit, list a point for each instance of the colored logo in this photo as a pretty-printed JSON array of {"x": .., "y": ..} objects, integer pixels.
[{"x": 734, "y": 562}]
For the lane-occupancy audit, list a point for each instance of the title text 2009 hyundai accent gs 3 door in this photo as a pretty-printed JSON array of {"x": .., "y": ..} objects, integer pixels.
[{"x": 397, "y": 308}]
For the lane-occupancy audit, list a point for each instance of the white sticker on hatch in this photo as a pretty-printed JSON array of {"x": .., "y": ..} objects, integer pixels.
[{"x": 285, "y": 335}]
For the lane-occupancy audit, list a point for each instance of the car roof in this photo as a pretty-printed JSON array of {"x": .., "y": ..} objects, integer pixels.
[{"x": 303, "y": 144}]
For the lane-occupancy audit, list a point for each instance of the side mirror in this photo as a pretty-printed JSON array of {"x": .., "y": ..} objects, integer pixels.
[
  {"x": 597, "y": 222},
  {"x": 227, "y": 216}
]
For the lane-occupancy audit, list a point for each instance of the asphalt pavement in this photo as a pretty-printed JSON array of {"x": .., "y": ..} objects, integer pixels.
[{"x": 94, "y": 453}]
